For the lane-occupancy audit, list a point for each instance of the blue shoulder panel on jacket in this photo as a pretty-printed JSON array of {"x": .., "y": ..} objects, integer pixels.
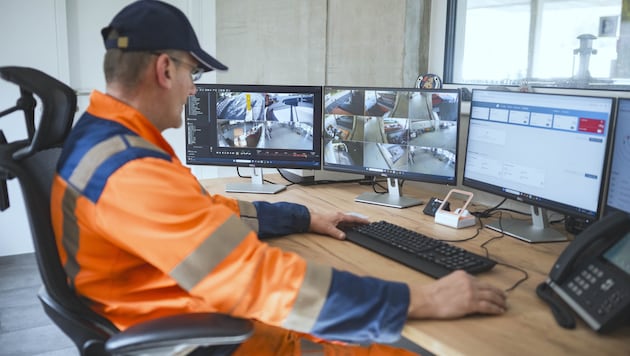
[{"x": 87, "y": 133}]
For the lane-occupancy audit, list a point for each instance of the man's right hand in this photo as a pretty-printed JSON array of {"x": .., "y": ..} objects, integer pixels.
[{"x": 453, "y": 296}]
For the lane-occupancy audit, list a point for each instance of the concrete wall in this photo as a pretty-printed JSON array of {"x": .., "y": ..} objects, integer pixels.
[{"x": 323, "y": 42}]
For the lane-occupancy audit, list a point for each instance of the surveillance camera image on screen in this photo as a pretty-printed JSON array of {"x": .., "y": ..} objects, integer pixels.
[
  {"x": 397, "y": 133},
  {"x": 257, "y": 126}
]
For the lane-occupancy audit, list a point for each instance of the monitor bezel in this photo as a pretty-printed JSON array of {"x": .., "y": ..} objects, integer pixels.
[
  {"x": 608, "y": 209},
  {"x": 362, "y": 170},
  {"x": 310, "y": 164},
  {"x": 552, "y": 205}
]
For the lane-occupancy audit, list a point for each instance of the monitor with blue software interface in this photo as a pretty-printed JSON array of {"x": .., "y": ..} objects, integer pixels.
[{"x": 546, "y": 150}]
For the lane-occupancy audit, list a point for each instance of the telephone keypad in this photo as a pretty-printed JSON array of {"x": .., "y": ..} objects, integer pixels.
[
  {"x": 596, "y": 271},
  {"x": 596, "y": 290}
]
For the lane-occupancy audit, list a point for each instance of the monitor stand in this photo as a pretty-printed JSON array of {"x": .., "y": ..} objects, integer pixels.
[
  {"x": 534, "y": 231},
  {"x": 257, "y": 185},
  {"x": 393, "y": 198}
]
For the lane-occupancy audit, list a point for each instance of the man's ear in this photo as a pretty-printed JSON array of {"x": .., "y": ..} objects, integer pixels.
[{"x": 164, "y": 71}]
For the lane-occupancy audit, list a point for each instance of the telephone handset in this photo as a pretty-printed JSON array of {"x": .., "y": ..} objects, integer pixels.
[{"x": 592, "y": 275}]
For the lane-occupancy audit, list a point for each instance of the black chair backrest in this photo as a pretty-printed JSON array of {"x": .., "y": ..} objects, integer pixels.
[
  {"x": 33, "y": 162},
  {"x": 58, "y": 107}
]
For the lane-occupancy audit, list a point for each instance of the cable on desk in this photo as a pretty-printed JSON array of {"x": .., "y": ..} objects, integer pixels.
[
  {"x": 318, "y": 182},
  {"x": 483, "y": 246},
  {"x": 517, "y": 283},
  {"x": 488, "y": 212},
  {"x": 376, "y": 183},
  {"x": 466, "y": 238}
]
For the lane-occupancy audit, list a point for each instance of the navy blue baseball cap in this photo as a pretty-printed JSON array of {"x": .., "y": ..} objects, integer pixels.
[{"x": 152, "y": 25}]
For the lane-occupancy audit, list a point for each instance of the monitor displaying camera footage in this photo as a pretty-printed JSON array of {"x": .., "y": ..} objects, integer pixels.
[
  {"x": 398, "y": 133},
  {"x": 259, "y": 126}
]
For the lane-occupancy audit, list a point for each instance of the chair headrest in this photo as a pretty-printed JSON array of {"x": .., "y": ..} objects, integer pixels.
[{"x": 59, "y": 104}]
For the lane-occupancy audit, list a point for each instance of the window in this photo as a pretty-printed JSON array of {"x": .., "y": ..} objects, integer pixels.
[{"x": 542, "y": 43}]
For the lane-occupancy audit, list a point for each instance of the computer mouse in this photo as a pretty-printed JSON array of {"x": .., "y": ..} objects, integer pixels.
[{"x": 358, "y": 215}]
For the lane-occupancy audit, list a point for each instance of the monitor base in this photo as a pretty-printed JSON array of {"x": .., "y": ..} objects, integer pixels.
[
  {"x": 535, "y": 231},
  {"x": 389, "y": 200},
  {"x": 254, "y": 188},
  {"x": 257, "y": 185}
]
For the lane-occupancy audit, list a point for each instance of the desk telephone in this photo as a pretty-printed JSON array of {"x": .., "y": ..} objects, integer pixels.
[{"x": 592, "y": 276}]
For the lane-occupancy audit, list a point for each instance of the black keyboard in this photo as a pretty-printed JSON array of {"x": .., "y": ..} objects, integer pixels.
[{"x": 413, "y": 249}]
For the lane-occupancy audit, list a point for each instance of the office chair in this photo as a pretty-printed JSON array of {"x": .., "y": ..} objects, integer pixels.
[{"x": 33, "y": 161}]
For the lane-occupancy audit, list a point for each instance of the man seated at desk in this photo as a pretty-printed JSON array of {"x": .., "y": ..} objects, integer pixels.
[{"x": 140, "y": 238}]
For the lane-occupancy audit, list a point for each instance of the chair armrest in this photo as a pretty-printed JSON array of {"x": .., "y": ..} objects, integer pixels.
[{"x": 168, "y": 333}]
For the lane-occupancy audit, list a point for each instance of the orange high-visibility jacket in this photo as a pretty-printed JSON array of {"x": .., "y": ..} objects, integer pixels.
[{"x": 140, "y": 238}]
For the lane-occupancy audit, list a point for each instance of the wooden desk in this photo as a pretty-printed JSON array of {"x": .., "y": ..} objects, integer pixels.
[{"x": 527, "y": 328}]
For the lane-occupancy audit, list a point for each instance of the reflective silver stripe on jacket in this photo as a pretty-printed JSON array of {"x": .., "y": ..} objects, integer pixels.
[
  {"x": 70, "y": 228},
  {"x": 249, "y": 214},
  {"x": 310, "y": 298},
  {"x": 214, "y": 249}
]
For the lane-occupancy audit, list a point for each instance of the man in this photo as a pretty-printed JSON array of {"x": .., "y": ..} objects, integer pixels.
[{"x": 140, "y": 238}]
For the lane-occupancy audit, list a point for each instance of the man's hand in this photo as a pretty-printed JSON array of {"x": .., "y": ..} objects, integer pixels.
[
  {"x": 454, "y": 296},
  {"x": 328, "y": 224}
]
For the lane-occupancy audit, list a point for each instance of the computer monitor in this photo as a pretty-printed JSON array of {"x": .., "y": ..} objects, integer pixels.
[
  {"x": 618, "y": 188},
  {"x": 546, "y": 150},
  {"x": 396, "y": 133},
  {"x": 258, "y": 126}
]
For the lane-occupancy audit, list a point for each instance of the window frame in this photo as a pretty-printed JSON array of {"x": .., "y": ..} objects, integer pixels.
[{"x": 444, "y": 39}]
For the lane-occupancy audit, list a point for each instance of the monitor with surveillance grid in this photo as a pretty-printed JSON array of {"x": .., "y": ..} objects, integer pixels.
[
  {"x": 618, "y": 188},
  {"x": 257, "y": 126},
  {"x": 394, "y": 133},
  {"x": 546, "y": 150}
]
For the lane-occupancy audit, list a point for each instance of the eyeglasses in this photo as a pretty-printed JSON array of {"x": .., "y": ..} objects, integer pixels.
[{"x": 195, "y": 72}]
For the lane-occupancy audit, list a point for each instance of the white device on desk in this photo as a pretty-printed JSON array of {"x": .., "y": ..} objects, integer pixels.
[{"x": 459, "y": 217}]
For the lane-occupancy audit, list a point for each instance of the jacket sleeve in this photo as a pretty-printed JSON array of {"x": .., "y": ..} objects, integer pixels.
[
  {"x": 275, "y": 219},
  {"x": 362, "y": 309}
]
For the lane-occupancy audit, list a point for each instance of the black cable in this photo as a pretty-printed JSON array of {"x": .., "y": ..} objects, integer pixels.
[
  {"x": 466, "y": 238},
  {"x": 517, "y": 283},
  {"x": 376, "y": 183},
  {"x": 323, "y": 182},
  {"x": 285, "y": 178},
  {"x": 515, "y": 211},
  {"x": 238, "y": 172},
  {"x": 487, "y": 213},
  {"x": 483, "y": 246},
  {"x": 318, "y": 182},
  {"x": 286, "y": 185}
]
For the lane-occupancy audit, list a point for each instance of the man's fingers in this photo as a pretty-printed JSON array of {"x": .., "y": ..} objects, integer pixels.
[
  {"x": 491, "y": 300},
  {"x": 487, "y": 307}
]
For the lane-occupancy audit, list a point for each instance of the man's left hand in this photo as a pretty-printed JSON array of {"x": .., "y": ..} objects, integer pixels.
[{"x": 328, "y": 224}]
